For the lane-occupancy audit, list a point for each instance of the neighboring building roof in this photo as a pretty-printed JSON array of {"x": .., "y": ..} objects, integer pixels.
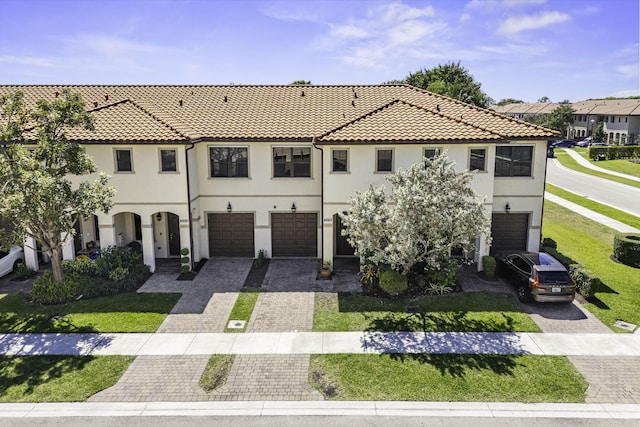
[
  {"x": 619, "y": 107},
  {"x": 191, "y": 113}
]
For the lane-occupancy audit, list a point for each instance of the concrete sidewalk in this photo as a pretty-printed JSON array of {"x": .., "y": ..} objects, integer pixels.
[
  {"x": 291, "y": 343},
  {"x": 586, "y": 163}
]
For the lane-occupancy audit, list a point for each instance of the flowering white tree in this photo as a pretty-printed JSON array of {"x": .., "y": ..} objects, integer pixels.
[{"x": 430, "y": 210}]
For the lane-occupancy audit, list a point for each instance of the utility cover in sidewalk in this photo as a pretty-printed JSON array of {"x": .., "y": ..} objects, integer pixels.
[
  {"x": 624, "y": 325},
  {"x": 236, "y": 324}
]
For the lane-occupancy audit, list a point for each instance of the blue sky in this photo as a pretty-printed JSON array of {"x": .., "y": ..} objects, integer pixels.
[{"x": 524, "y": 49}]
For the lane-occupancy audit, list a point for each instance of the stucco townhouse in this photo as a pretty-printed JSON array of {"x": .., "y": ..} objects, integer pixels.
[{"x": 232, "y": 170}]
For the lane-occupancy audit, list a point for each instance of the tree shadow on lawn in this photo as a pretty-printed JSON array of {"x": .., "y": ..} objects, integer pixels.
[
  {"x": 31, "y": 372},
  {"x": 451, "y": 352}
]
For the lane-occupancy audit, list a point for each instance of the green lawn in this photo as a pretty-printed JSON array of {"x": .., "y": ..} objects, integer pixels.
[
  {"x": 569, "y": 162},
  {"x": 58, "y": 378},
  {"x": 614, "y": 213},
  {"x": 591, "y": 244},
  {"x": 470, "y": 312},
  {"x": 131, "y": 312},
  {"x": 447, "y": 377},
  {"x": 243, "y": 307},
  {"x": 216, "y": 372}
]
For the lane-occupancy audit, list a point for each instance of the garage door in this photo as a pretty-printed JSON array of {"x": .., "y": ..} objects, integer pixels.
[
  {"x": 509, "y": 231},
  {"x": 231, "y": 234},
  {"x": 294, "y": 235}
]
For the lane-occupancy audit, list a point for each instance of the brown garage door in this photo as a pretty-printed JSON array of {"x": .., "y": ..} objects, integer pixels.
[
  {"x": 294, "y": 235},
  {"x": 231, "y": 234},
  {"x": 509, "y": 231}
]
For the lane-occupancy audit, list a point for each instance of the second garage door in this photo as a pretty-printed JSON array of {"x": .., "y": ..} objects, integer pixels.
[
  {"x": 294, "y": 235},
  {"x": 509, "y": 231},
  {"x": 231, "y": 234}
]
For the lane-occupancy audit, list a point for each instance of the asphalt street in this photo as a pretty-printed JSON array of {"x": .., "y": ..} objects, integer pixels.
[{"x": 623, "y": 197}]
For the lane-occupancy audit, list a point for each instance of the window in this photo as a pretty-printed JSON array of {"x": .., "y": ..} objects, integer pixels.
[
  {"x": 384, "y": 160},
  {"x": 513, "y": 161},
  {"x": 292, "y": 162},
  {"x": 430, "y": 153},
  {"x": 477, "y": 159},
  {"x": 229, "y": 162},
  {"x": 168, "y": 161},
  {"x": 123, "y": 161},
  {"x": 339, "y": 161}
]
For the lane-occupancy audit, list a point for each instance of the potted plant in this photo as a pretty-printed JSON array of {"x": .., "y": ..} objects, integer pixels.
[{"x": 325, "y": 270}]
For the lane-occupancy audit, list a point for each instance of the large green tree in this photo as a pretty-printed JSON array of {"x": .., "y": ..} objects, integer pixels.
[
  {"x": 507, "y": 101},
  {"x": 451, "y": 80},
  {"x": 560, "y": 118},
  {"x": 38, "y": 198}
]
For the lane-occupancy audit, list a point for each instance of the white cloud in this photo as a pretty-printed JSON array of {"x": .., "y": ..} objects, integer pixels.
[
  {"x": 465, "y": 17},
  {"x": 518, "y": 3},
  {"x": 517, "y": 24},
  {"x": 400, "y": 12},
  {"x": 110, "y": 45},
  {"x": 290, "y": 11},
  {"x": 348, "y": 31},
  {"x": 628, "y": 71}
]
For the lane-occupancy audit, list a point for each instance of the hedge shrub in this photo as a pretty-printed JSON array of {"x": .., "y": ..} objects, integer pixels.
[
  {"x": 588, "y": 284},
  {"x": 548, "y": 242},
  {"x": 615, "y": 152},
  {"x": 626, "y": 249},
  {"x": 392, "y": 282},
  {"x": 489, "y": 266},
  {"x": 46, "y": 290}
]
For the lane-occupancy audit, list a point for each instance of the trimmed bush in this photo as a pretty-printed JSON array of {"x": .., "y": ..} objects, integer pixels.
[
  {"x": 392, "y": 282},
  {"x": 489, "y": 266},
  {"x": 626, "y": 249},
  {"x": 47, "y": 291},
  {"x": 588, "y": 284},
  {"x": 82, "y": 265},
  {"x": 614, "y": 152},
  {"x": 369, "y": 278},
  {"x": 549, "y": 243},
  {"x": 184, "y": 251},
  {"x": 185, "y": 268}
]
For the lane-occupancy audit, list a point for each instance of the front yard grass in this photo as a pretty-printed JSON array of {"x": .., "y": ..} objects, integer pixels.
[
  {"x": 216, "y": 372},
  {"x": 609, "y": 211},
  {"x": 447, "y": 377},
  {"x": 589, "y": 243},
  {"x": 460, "y": 312},
  {"x": 568, "y": 162},
  {"x": 58, "y": 378},
  {"x": 243, "y": 307},
  {"x": 130, "y": 312}
]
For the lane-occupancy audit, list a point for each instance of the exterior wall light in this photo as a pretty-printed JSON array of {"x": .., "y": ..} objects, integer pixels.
[
  {"x": 507, "y": 208},
  {"x": 293, "y": 208},
  {"x": 229, "y": 209},
  {"x": 158, "y": 216}
]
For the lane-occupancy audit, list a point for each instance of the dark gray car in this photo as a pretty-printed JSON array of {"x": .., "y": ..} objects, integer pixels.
[{"x": 537, "y": 276}]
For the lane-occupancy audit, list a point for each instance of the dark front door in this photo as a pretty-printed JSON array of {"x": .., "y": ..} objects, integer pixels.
[
  {"x": 174, "y": 234},
  {"x": 509, "y": 231},
  {"x": 343, "y": 248},
  {"x": 231, "y": 234},
  {"x": 294, "y": 234}
]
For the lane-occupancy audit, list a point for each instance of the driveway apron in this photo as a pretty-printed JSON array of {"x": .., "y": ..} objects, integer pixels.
[{"x": 205, "y": 306}]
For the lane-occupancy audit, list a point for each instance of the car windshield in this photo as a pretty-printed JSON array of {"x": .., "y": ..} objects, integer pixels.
[
  {"x": 3, "y": 254},
  {"x": 553, "y": 277}
]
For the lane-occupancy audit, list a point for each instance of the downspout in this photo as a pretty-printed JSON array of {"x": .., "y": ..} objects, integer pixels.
[
  {"x": 186, "y": 161},
  {"x": 313, "y": 142}
]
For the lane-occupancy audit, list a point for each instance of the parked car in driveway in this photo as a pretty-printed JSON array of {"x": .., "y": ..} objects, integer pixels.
[
  {"x": 537, "y": 276},
  {"x": 9, "y": 261},
  {"x": 585, "y": 142}
]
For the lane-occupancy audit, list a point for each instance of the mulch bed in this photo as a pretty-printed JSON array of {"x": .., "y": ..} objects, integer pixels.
[{"x": 256, "y": 275}]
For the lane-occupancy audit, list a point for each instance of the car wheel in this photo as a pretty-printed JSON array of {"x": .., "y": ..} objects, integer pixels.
[
  {"x": 17, "y": 264},
  {"x": 523, "y": 294}
]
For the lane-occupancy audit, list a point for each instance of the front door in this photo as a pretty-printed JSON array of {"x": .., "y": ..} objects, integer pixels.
[
  {"x": 343, "y": 248},
  {"x": 174, "y": 234}
]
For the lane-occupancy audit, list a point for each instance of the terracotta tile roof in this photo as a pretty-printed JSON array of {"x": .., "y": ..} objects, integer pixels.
[
  {"x": 526, "y": 108},
  {"x": 620, "y": 107},
  {"x": 155, "y": 113}
]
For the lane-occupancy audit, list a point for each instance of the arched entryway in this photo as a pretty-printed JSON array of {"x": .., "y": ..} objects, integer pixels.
[{"x": 166, "y": 231}]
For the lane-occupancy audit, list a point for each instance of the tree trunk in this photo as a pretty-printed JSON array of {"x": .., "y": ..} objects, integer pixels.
[{"x": 56, "y": 264}]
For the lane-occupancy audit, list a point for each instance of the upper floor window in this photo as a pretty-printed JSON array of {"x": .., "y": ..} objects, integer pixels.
[
  {"x": 514, "y": 161},
  {"x": 430, "y": 153},
  {"x": 229, "y": 162},
  {"x": 384, "y": 160},
  {"x": 124, "y": 161},
  {"x": 292, "y": 162},
  {"x": 168, "y": 161},
  {"x": 477, "y": 159},
  {"x": 339, "y": 162}
]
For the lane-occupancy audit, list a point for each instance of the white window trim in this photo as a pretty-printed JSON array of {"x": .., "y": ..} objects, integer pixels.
[
  {"x": 393, "y": 160},
  {"x": 292, "y": 177},
  {"x": 533, "y": 162},
  {"x": 160, "y": 150},
  {"x": 210, "y": 173},
  {"x": 348, "y": 171},
  {"x": 486, "y": 155},
  {"x": 115, "y": 160}
]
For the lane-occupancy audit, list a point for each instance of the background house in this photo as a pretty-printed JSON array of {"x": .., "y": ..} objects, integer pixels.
[{"x": 232, "y": 170}]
